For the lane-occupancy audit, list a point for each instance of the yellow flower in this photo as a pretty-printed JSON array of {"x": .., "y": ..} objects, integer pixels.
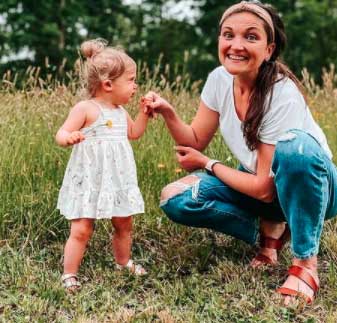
[
  {"x": 109, "y": 124},
  {"x": 161, "y": 166},
  {"x": 178, "y": 170}
]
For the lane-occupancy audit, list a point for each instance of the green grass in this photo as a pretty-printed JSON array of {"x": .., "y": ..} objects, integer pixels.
[{"x": 195, "y": 275}]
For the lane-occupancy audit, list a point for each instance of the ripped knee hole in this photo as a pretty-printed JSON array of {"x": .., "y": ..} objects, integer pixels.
[{"x": 178, "y": 187}]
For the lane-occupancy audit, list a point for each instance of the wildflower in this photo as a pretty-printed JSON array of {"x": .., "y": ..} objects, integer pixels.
[
  {"x": 178, "y": 170},
  {"x": 109, "y": 124},
  {"x": 160, "y": 166}
]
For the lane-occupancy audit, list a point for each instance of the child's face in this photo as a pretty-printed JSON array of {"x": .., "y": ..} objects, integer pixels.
[{"x": 124, "y": 87}]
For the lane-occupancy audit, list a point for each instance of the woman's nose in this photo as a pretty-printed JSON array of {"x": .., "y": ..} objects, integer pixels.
[{"x": 237, "y": 43}]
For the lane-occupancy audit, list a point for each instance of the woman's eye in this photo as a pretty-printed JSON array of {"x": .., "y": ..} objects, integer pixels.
[
  {"x": 251, "y": 37},
  {"x": 227, "y": 35}
]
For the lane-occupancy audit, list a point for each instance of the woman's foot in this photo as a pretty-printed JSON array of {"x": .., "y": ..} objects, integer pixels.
[
  {"x": 272, "y": 235},
  {"x": 302, "y": 282}
]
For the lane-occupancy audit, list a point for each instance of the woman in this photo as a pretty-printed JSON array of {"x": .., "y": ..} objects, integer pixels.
[{"x": 286, "y": 175}]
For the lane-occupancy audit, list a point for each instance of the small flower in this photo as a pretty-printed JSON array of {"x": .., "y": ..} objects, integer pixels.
[
  {"x": 109, "y": 123},
  {"x": 160, "y": 166},
  {"x": 178, "y": 170}
]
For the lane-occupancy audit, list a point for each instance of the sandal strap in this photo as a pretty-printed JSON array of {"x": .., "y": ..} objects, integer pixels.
[
  {"x": 71, "y": 283},
  {"x": 70, "y": 280},
  {"x": 305, "y": 276},
  {"x": 128, "y": 265},
  {"x": 292, "y": 292},
  {"x": 264, "y": 259},
  {"x": 272, "y": 243},
  {"x": 67, "y": 276},
  {"x": 138, "y": 270}
]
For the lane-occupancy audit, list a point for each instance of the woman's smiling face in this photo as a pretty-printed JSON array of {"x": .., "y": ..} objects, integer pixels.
[{"x": 243, "y": 44}]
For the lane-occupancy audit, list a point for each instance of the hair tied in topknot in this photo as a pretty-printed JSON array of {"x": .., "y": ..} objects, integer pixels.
[{"x": 91, "y": 48}]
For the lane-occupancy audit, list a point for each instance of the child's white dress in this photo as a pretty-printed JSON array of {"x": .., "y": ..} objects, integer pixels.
[{"x": 101, "y": 178}]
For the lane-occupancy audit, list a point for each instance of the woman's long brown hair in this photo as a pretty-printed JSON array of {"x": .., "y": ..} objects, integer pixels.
[{"x": 269, "y": 73}]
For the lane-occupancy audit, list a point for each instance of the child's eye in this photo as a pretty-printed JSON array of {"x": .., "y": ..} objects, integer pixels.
[{"x": 251, "y": 37}]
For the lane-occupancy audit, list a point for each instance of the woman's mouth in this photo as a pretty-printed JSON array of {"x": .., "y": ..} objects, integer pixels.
[{"x": 238, "y": 58}]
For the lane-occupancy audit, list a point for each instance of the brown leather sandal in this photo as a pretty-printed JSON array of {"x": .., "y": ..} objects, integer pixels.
[
  {"x": 302, "y": 274},
  {"x": 272, "y": 243}
]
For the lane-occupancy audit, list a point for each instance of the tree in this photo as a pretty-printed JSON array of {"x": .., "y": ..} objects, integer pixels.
[
  {"x": 310, "y": 26},
  {"x": 55, "y": 29}
]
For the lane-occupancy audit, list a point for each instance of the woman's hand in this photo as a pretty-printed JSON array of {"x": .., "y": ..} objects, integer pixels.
[
  {"x": 75, "y": 137},
  {"x": 145, "y": 106},
  {"x": 190, "y": 159},
  {"x": 156, "y": 103}
]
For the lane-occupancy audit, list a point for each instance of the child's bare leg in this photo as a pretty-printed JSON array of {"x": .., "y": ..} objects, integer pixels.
[
  {"x": 122, "y": 239},
  {"x": 80, "y": 233}
]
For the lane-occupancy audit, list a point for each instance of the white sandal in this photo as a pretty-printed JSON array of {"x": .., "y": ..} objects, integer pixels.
[
  {"x": 70, "y": 282},
  {"x": 137, "y": 270}
]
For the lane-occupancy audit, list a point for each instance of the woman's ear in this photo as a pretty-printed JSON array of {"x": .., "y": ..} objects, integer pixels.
[
  {"x": 107, "y": 85},
  {"x": 270, "y": 51}
]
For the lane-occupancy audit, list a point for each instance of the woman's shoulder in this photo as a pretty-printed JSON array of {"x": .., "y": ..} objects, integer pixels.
[
  {"x": 220, "y": 73},
  {"x": 219, "y": 80},
  {"x": 285, "y": 89}
]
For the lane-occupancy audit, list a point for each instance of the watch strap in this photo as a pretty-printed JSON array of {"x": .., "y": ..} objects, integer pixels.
[{"x": 210, "y": 164}]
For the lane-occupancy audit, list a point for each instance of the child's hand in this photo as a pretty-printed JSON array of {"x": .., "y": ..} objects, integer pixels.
[
  {"x": 75, "y": 137},
  {"x": 157, "y": 104},
  {"x": 145, "y": 106}
]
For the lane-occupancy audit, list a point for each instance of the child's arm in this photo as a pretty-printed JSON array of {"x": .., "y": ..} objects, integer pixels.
[
  {"x": 137, "y": 128},
  {"x": 69, "y": 133}
]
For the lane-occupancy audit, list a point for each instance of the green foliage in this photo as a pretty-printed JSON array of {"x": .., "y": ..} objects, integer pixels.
[
  {"x": 310, "y": 28},
  {"x": 55, "y": 29}
]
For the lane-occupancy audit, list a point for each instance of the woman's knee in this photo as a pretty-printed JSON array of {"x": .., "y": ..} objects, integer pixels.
[
  {"x": 294, "y": 153},
  {"x": 177, "y": 187},
  {"x": 173, "y": 202}
]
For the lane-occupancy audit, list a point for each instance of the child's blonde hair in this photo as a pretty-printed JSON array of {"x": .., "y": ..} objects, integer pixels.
[{"x": 102, "y": 63}]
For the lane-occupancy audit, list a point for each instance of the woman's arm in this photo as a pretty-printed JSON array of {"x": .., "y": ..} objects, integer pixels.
[
  {"x": 198, "y": 134},
  {"x": 259, "y": 186},
  {"x": 68, "y": 134}
]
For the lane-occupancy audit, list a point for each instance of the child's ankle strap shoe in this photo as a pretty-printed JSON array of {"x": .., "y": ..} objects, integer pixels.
[{"x": 137, "y": 270}]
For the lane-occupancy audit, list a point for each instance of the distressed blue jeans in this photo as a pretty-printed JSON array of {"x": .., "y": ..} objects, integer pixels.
[{"x": 306, "y": 185}]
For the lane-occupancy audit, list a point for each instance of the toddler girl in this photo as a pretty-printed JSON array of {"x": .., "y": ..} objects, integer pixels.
[{"x": 100, "y": 180}]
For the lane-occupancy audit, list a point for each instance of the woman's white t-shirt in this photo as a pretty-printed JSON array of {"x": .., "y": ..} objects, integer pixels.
[{"x": 288, "y": 110}]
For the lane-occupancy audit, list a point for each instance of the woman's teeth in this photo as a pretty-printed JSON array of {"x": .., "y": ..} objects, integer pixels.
[{"x": 237, "y": 57}]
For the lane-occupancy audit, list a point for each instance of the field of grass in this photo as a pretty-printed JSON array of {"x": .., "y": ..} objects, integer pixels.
[{"x": 195, "y": 275}]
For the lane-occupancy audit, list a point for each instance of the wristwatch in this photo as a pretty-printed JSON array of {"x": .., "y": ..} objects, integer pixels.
[{"x": 210, "y": 164}]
